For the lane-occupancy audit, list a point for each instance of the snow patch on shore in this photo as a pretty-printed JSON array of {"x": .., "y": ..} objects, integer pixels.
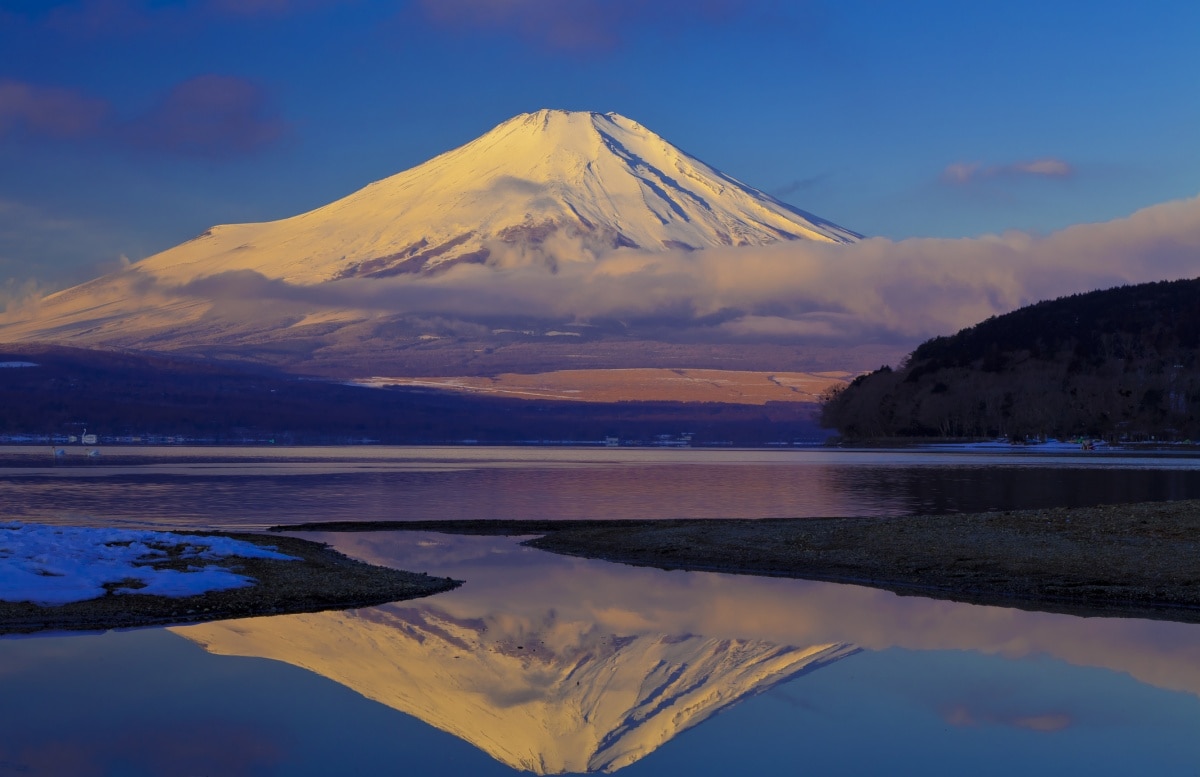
[{"x": 53, "y": 565}]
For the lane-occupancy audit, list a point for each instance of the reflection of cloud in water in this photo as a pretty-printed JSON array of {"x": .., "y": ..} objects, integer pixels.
[
  {"x": 960, "y": 715},
  {"x": 551, "y": 663},
  {"x": 510, "y": 578},
  {"x": 544, "y": 482}
]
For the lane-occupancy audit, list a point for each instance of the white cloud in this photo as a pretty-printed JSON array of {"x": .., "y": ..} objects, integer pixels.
[
  {"x": 15, "y": 293},
  {"x": 878, "y": 288}
]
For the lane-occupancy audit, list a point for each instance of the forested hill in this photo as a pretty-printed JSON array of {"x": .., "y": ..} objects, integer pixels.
[{"x": 1118, "y": 363}]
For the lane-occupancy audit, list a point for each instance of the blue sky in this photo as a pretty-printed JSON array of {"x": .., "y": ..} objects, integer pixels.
[{"x": 128, "y": 126}]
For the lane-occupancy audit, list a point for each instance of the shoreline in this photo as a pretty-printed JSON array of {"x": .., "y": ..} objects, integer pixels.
[
  {"x": 1135, "y": 560},
  {"x": 322, "y": 579}
]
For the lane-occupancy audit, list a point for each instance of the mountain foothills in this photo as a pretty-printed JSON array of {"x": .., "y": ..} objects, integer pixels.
[
  {"x": 403, "y": 276},
  {"x": 1123, "y": 363}
]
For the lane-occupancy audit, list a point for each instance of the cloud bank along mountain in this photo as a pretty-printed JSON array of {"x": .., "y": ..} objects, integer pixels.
[
  {"x": 541, "y": 195},
  {"x": 572, "y": 222}
]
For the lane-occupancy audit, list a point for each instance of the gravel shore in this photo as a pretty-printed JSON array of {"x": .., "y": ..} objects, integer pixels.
[
  {"x": 322, "y": 579},
  {"x": 1140, "y": 560},
  {"x": 1135, "y": 560}
]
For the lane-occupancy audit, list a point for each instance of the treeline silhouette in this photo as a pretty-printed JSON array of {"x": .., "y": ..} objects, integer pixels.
[
  {"x": 1115, "y": 364},
  {"x": 117, "y": 393}
]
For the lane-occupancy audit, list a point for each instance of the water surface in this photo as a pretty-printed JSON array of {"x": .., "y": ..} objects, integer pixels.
[
  {"x": 548, "y": 664},
  {"x": 252, "y": 488}
]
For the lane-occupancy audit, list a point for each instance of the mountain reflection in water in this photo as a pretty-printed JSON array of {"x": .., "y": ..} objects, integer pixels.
[
  {"x": 554, "y": 664},
  {"x": 548, "y": 697}
]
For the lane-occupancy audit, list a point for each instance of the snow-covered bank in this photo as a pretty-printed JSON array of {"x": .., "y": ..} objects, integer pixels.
[
  {"x": 55, "y": 578},
  {"x": 53, "y": 565}
]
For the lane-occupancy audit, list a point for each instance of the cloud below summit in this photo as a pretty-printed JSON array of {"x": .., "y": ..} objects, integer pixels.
[{"x": 876, "y": 290}]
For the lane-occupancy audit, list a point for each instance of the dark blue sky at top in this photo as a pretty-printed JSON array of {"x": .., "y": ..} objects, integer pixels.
[{"x": 127, "y": 126}]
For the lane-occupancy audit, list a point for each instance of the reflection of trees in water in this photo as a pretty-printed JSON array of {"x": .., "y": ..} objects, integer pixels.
[
  {"x": 962, "y": 489},
  {"x": 664, "y": 491},
  {"x": 600, "y": 492}
]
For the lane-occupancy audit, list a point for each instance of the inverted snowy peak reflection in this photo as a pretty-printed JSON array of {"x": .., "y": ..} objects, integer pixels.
[
  {"x": 554, "y": 664},
  {"x": 546, "y": 696}
]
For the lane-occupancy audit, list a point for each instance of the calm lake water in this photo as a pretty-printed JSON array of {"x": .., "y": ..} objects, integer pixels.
[
  {"x": 250, "y": 487},
  {"x": 549, "y": 664}
]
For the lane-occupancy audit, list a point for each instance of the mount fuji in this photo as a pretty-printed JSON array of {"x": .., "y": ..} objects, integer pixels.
[
  {"x": 532, "y": 216},
  {"x": 600, "y": 178}
]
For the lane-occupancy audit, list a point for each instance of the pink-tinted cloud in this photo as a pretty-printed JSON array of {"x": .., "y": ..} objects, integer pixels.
[
  {"x": 99, "y": 17},
  {"x": 578, "y": 25},
  {"x": 48, "y": 111},
  {"x": 962, "y": 716},
  {"x": 120, "y": 18},
  {"x": 18, "y": 292},
  {"x": 1051, "y": 168},
  {"x": 210, "y": 116},
  {"x": 963, "y": 173},
  {"x": 267, "y": 7}
]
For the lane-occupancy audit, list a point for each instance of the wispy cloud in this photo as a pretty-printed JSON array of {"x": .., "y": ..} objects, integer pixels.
[
  {"x": 99, "y": 17},
  {"x": 213, "y": 116},
  {"x": 801, "y": 185},
  {"x": 961, "y": 716},
  {"x": 125, "y": 18},
  {"x": 579, "y": 25},
  {"x": 48, "y": 110},
  {"x": 210, "y": 116},
  {"x": 16, "y": 293},
  {"x": 16, "y": 215},
  {"x": 963, "y": 173},
  {"x": 246, "y": 8}
]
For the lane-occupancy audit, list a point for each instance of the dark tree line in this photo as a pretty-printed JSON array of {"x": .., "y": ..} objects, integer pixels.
[
  {"x": 115, "y": 393},
  {"x": 1121, "y": 363}
]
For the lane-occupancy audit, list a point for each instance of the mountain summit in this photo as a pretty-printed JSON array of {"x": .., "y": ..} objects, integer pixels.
[
  {"x": 555, "y": 237},
  {"x": 565, "y": 184}
]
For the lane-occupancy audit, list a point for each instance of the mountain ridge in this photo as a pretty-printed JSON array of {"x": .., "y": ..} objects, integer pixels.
[
  {"x": 592, "y": 177},
  {"x": 455, "y": 256}
]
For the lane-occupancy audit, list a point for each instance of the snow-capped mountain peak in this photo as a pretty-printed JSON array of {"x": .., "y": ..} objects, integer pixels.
[
  {"x": 549, "y": 201},
  {"x": 564, "y": 185}
]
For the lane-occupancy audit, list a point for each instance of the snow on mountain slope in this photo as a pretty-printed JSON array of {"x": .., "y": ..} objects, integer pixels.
[
  {"x": 549, "y": 208},
  {"x": 546, "y": 695},
  {"x": 601, "y": 181}
]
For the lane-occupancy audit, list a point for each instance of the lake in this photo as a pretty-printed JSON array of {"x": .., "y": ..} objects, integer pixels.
[{"x": 548, "y": 664}]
